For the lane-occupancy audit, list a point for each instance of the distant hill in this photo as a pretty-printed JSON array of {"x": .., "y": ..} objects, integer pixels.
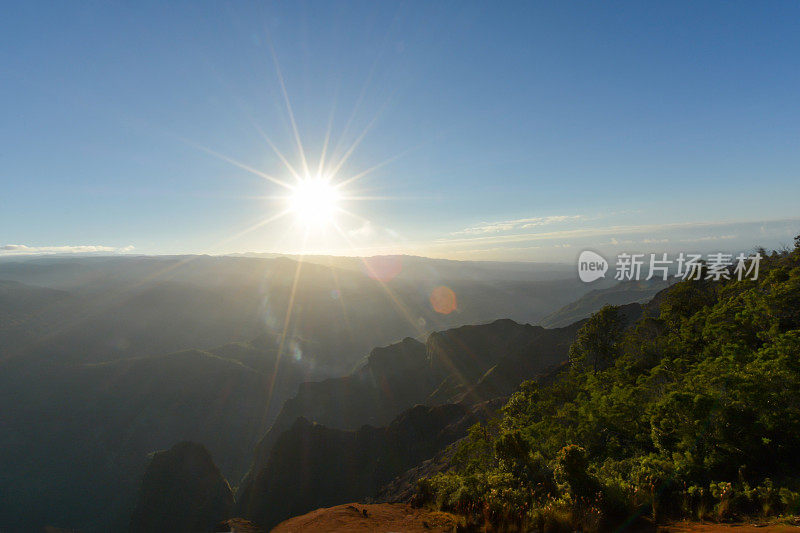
[
  {"x": 20, "y": 304},
  {"x": 119, "y": 307},
  {"x": 105, "y": 359},
  {"x": 410, "y": 267},
  {"x": 20, "y": 299},
  {"x": 90, "y": 427},
  {"x": 620, "y": 294}
]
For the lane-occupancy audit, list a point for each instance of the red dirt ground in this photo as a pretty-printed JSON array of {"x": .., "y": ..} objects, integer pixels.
[
  {"x": 381, "y": 517},
  {"x": 695, "y": 527},
  {"x": 388, "y": 518}
]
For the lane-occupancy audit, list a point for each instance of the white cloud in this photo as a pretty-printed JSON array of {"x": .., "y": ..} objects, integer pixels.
[
  {"x": 365, "y": 231},
  {"x": 520, "y": 223},
  {"x": 372, "y": 233},
  {"x": 710, "y": 238},
  {"x": 483, "y": 251},
  {"x": 24, "y": 249},
  {"x": 595, "y": 231},
  {"x": 732, "y": 235}
]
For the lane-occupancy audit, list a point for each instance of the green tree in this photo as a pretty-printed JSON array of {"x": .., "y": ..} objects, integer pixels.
[{"x": 597, "y": 342}]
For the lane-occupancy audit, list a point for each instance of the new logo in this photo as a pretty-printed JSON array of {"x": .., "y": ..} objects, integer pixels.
[{"x": 591, "y": 266}]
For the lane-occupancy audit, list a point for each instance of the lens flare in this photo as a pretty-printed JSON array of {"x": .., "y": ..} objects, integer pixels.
[
  {"x": 383, "y": 267},
  {"x": 443, "y": 300}
]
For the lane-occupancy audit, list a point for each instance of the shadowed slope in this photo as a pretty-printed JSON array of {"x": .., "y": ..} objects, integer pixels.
[{"x": 182, "y": 490}]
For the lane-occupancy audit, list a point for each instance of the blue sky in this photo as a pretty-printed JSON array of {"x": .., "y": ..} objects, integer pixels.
[{"x": 520, "y": 132}]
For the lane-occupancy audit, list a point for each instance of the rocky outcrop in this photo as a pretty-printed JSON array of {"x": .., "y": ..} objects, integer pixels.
[
  {"x": 467, "y": 352},
  {"x": 314, "y": 466},
  {"x": 468, "y": 365},
  {"x": 182, "y": 490},
  {"x": 392, "y": 379}
]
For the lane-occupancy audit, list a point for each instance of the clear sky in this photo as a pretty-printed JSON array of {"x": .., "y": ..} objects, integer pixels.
[{"x": 499, "y": 131}]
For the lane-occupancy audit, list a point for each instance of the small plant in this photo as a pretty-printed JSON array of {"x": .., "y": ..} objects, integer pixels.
[
  {"x": 723, "y": 493},
  {"x": 790, "y": 500}
]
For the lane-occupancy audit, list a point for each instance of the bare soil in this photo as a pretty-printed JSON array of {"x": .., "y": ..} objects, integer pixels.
[
  {"x": 707, "y": 527},
  {"x": 381, "y": 517},
  {"x": 399, "y": 517}
]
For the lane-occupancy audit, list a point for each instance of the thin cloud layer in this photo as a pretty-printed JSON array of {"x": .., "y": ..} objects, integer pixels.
[
  {"x": 556, "y": 243},
  {"x": 521, "y": 223},
  {"x": 24, "y": 249}
]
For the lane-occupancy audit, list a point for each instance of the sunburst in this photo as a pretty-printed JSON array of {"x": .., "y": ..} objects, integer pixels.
[{"x": 315, "y": 199}]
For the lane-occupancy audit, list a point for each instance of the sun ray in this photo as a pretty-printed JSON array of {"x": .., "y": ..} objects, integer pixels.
[
  {"x": 378, "y": 166},
  {"x": 341, "y": 296},
  {"x": 341, "y": 197},
  {"x": 356, "y": 107},
  {"x": 360, "y": 138},
  {"x": 289, "y": 108},
  {"x": 254, "y": 227},
  {"x": 361, "y": 198},
  {"x": 286, "y": 323},
  {"x": 362, "y": 94},
  {"x": 280, "y": 155},
  {"x": 248, "y": 168},
  {"x": 354, "y": 215},
  {"x": 392, "y": 297},
  {"x": 400, "y": 306},
  {"x": 327, "y": 139},
  {"x": 247, "y": 114}
]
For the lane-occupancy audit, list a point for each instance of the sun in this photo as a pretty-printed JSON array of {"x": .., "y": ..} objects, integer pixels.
[{"x": 314, "y": 201}]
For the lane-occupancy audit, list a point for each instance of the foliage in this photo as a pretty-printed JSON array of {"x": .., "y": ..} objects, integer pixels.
[
  {"x": 693, "y": 411},
  {"x": 597, "y": 341}
]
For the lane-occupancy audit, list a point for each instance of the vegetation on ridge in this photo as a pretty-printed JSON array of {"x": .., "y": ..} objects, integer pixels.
[{"x": 692, "y": 412}]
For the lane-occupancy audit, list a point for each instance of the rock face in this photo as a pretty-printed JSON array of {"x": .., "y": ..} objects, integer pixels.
[
  {"x": 490, "y": 360},
  {"x": 394, "y": 378},
  {"x": 313, "y": 466},
  {"x": 467, "y": 366},
  {"x": 182, "y": 490},
  {"x": 623, "y": 293}
]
